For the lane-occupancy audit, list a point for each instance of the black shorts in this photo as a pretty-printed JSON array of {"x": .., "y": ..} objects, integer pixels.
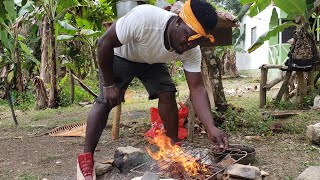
[{"x": 155, "y": 77}]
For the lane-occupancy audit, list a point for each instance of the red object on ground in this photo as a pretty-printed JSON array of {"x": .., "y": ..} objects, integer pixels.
[{"x": 157, "y": 124}]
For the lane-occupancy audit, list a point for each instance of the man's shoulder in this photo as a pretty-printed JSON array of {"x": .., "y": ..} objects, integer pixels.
[
  {"x": 148, "y": 7},
  {"x": 150, "y": 11}
]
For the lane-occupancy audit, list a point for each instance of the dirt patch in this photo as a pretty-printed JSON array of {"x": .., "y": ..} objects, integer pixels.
[{"x": 55, "y": 157}]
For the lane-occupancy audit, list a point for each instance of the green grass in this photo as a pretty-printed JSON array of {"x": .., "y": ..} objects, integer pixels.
[
  {"x": 247, "y": 122},
  {"x": 37, "y": 120},
  {"x": 28, "y": 176}
]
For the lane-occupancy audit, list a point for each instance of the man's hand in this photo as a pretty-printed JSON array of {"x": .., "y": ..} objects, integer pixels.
[
  {"x": 113, "y": 95},
  {"x": 218, "y": 137}
]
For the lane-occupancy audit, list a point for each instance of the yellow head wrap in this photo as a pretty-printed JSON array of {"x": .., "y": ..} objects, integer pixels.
[{"x": 189, "y": 18}]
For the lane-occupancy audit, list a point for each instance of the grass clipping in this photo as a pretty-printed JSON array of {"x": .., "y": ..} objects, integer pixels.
[{"x": 70, "y": 130}]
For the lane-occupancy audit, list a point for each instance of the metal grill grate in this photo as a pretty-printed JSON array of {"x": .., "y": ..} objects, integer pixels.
[{"x": 205, "y": 157}]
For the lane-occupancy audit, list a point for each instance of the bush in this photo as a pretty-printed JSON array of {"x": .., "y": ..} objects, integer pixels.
[
  {"x": 24, "y": 101},
  {"x": 80, "y": 95}
]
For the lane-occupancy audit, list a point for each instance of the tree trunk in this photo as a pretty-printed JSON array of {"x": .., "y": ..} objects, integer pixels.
[
  {"x": 206, "y": 79},
  {"x": 228, "y": 65},
  {"x": 44, "y": 75},
  {"x": 302, "y": 87},
  {"x": 19, "y": 82},
  {"x": 94, "y": 64},
  {"x": 173, "y": 68},
  {"x": 71, "y": 87},
  {"x": 211, "y": 69},
  {"x": 53, "y": 97},
  {"x": 8, "y": 95},
  {"x": 40, "y": 93}
]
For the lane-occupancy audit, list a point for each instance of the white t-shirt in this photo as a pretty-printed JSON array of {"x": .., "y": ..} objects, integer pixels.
[{"x": 141, "y": 32}]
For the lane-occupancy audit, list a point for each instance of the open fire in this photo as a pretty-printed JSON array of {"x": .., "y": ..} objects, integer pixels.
[
  {"x": 191, "y": 161},
  {"x": 174, "y": 157}
]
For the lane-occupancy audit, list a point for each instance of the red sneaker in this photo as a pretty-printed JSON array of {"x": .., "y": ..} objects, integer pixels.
[
  {"x": 85, "y": 167},
  {"x": 178, "y": 144}
]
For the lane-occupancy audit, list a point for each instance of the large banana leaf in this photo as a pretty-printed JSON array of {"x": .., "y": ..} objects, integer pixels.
[
  {"x": 65, "y": 4},
  {"x": 11, "y": 14},
  {"x": 312, "y": 4},
  {"x": 28, "y": 52},
  {"x": 28, "y": 7},
  {"x": 64, "y": 37},
  {"x": 272, "y": 32},
  {"x": 293, "y": 7},
  {"x": 257, "y": 6},
  {"x": 244, "y": 2},
  {"x": 67, "y": 26},
  {"x": 89, "y": 32}
]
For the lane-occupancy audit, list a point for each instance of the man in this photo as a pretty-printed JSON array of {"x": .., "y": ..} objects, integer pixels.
[{"x": 138, "y": 45}]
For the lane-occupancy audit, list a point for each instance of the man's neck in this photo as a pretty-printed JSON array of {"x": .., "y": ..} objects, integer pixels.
[{"x": 167, "y": 34}]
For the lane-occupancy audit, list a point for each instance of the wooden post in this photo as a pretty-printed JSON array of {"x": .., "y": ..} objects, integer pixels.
[
  {"x": 275, "y": 81},
  {"x": 116, "y": 123},
  {"x": 191, "y": 122},
  {"x": 310, "y": 81},
  {"x": 302, "y": 87},
  {"x": 263, "y": 83},
  {"x": 284, "y": 87}
]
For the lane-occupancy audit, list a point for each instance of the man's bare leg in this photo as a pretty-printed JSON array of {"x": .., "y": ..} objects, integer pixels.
[{"x": 97, "y": 120}]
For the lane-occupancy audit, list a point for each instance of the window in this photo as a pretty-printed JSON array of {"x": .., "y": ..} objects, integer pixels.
[
  {"x": 253, "y": 35},
  {"x": 287, "y": 34}
]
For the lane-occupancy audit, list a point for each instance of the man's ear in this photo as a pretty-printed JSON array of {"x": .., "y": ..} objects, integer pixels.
[{"x": 179, "y": 21}]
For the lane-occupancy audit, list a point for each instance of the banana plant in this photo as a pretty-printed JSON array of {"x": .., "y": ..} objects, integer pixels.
[
  {"x": 14, "y": 13},
  {"x": 12, "y": 45},
  {"x": 88, "y": 38},
  {"x": 294, "y": 8},
  {"x": 54, "y": 11}
]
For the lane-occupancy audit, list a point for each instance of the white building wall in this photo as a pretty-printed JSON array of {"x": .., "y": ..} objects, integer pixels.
[{"x": 254, "y": 60}]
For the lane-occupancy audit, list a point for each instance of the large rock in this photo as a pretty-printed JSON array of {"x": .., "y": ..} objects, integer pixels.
[
  {"x": 126, "y": 158},
  {"x": 101, "y": 169},
  {"x": 313, "y": 133},
  {"x": 243, "y": 172},
  {"x": 311, "y": 173},
  {"x": 316, "y": 102},
  {"x": 150, "y": 176}
]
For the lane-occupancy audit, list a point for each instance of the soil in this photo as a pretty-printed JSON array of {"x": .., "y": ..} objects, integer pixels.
[{"x": 28, "y": 154}]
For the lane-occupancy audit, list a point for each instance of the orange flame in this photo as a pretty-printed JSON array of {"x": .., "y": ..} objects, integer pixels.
[{"x": 174, "y": 153}]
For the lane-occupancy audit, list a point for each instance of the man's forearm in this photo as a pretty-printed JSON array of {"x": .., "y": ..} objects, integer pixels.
[{"x": 201, "y": 105}]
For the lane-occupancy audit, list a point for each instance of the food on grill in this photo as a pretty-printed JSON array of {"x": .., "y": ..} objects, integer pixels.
[{"x": 226, "y": 161}]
